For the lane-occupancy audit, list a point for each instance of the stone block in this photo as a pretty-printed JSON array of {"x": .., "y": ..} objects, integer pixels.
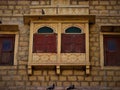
[
  {"x": 44, "y": 84},
  {"x": 88, "y": 78},
  {"x": 1, "y": 12},
  {"x": 3, "y": 7},
  {"x": 113, "y": 21},
  {"x": 35, "y": 3},
  {"x": 94, "y": 2},
  {"x": 22, "y": 67},
  {"x": 22, "y": 72},
  {"x": 36, "y": 83},
  {"x": 67, "y": 72},
  {"x": 117, "y": 73},
  {"x": 118, "y": 85},
  {"x": 22, "y": 44},
  {"x": 37, "y": 72},
  {"x": 32, "y": 78},
  {"x": 80, "y": 78},
  {"x": 72, "y": 78},
  {"x": 16, "y": 78},
  {"x": 2, "y": 83},
  {"x": 107, "y": 78},
  {"x": 111, "y": 84},
  {"x": 23, "y": 2},
  {"x": 96, "y": 54},
  {"x": 84, "y": 84},
  {"x": 45, "y": 72},
  {"x": 12, "y": 2},
  {"x": 41, "y": 78},
  {"x": 20, "y": 83},
  {"x": 59, "y": 83},
  {"x": 66, "y": 83},
  {"x": 94, "y": 83},
  {"x": 3, "y": 2},
  {"x": 12, "y": 72},
  {"x": 23, "y": 62},
  {"x": 53, "y": 78},
  {"x": 78, "y": 72},
  {"x": 110, "y": 73},
  {"x": 104, "y": 3},
  {"x": 94, "y": 72},
  {"x": 10, "y": 83},
  {"x": 62, "y": 78},
  {"x": 94, "y": 12},
  {"x": 100, "y": 7},
  {"x": 113, "y": 2},
  {"x": 116, "y": 7},
  {"x": 83, "y": 3},
  {"x": 51, "y": 72},
  {"x": 103, "y": 12},
  {"x": 116, "y": 78},
  {"x": 47, "y": 78},
  {"x": 113, "y": 12},
  {"x": 97, "y": 78},
  {"x": 3, "y": 72},
  {"x": 109, "y": 7},
  {"x": 24, "y": 77},
  {"x": 101, "y": 73},
  {"x": 22, "y": 53},
  {"x": 104, "y": 20},
  {"x": 5, "y": 78},
  {"x": 19, "y": 7},
  {"x": 16, "y": 11},
  {"x": 7, "y": 11}
]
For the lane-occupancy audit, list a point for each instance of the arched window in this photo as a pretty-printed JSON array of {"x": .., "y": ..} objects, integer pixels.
[
  {"x": 73, "y": 30},
  {"x": 45, "y": 30}
]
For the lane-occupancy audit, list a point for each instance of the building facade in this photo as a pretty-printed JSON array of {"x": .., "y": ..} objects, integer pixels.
[{"x": 61, "y": 42}]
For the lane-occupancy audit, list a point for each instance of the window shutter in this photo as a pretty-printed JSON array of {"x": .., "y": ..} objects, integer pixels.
[
  {"x": 44, "y": 43},
  {"x": 73, "y": 43},
  {"x": 112, "y": 50},
  {"x": 7, "y": 49}
]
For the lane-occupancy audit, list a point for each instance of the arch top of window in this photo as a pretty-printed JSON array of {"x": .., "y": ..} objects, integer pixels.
[
  {"x": 45, "y": 29},
  {"x": 73, "y": 30}
]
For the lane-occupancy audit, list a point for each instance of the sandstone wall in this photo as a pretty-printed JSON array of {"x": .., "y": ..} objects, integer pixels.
[{"x": 16, "y": 78}]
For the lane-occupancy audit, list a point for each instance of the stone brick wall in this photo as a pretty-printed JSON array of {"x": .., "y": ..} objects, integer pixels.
[{"x": 16, "y": 78}]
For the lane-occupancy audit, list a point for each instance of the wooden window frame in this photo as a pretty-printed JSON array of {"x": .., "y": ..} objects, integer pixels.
[
  {"x": 102, "y": 50},
  {"x": 15, "y": 46}
]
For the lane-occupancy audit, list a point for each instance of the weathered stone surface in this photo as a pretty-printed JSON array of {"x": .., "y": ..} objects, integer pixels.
[{"x": 16, "y": 77}]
